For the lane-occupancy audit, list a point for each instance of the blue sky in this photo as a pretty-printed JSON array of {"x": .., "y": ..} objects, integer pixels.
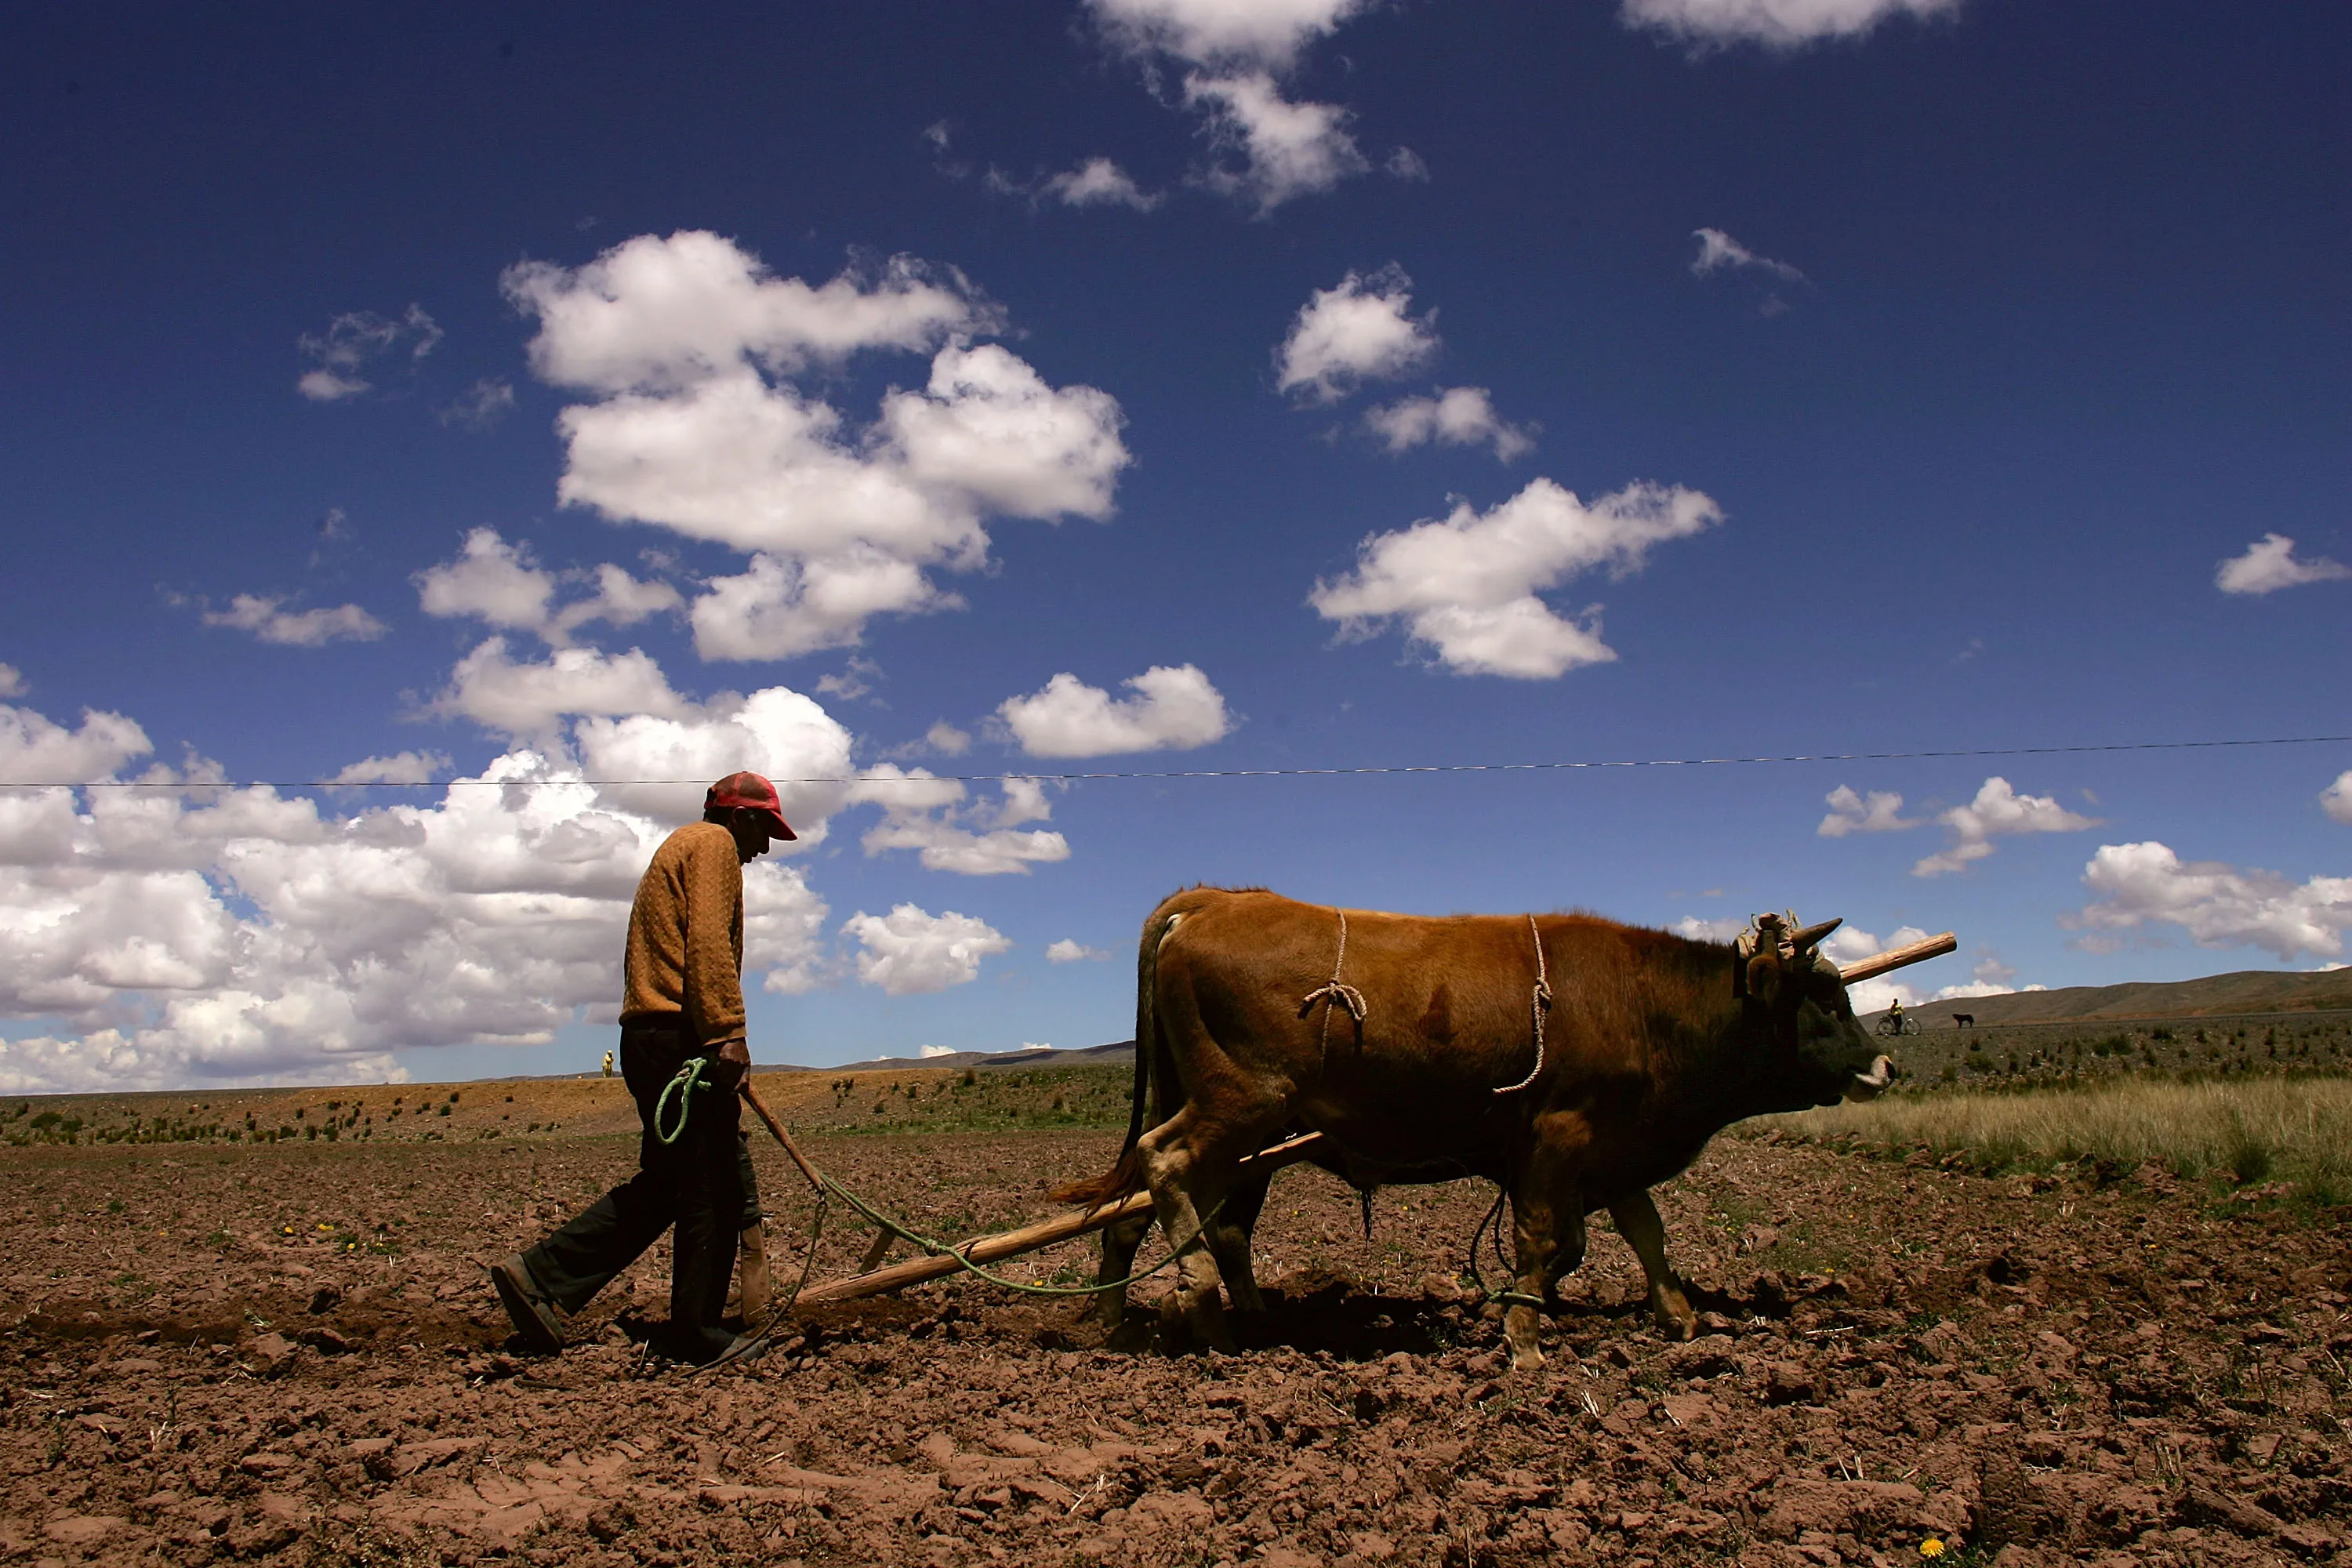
[{"x": 550, "y": 395}]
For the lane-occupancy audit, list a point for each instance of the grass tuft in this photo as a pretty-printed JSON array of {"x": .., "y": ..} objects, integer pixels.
[{"x": 2247, "y": 1131}]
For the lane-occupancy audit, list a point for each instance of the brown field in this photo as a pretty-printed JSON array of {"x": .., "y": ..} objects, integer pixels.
[{"x": 285, "y": 1352}]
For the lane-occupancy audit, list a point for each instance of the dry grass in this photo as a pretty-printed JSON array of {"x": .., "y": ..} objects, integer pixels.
[{"x": 2259, "y": 1130}]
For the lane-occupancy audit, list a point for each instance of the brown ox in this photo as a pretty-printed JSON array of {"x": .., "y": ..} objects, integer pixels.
[{"x": 1651, "y": 1044}]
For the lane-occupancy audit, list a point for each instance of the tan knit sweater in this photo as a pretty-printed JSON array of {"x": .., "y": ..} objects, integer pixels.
[{"x": 686, "y": 938}]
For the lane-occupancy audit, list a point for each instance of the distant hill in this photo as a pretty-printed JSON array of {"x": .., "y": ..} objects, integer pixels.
[
  {"x": 2242, "y": 991},
  {"x": 1038, "y": 1057}
]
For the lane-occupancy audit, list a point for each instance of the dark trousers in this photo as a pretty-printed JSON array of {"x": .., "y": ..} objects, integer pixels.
[{"x": 697, "y": 1183}]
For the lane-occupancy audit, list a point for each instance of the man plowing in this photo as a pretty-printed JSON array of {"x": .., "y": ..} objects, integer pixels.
[{"x": 682, "y": 1055}]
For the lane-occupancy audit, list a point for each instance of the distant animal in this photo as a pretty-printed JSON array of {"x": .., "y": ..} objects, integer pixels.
[
  {"x": 1415, "y": 1049},
  {"x": 1964, "y": 1020}
]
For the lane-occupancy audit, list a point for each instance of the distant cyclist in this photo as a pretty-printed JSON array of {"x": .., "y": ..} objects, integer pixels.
[{"x": 1895, "y": 1016}]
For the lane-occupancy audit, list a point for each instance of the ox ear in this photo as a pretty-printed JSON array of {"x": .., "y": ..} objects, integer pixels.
[
  {"x": 1811, "y": 937},
  {"x": 1761, "y": 975}
]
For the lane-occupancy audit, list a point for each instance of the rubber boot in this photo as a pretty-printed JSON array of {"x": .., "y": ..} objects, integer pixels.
[{"x": 754, "y": 1296}]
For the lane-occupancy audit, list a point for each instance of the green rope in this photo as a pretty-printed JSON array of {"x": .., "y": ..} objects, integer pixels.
[
  {"x": 689, "y": 1078},
  {"x": 1508, "y": 1298},
  {"x": 942, "y": 1249},
  {"x": 777, "y": 1312}
]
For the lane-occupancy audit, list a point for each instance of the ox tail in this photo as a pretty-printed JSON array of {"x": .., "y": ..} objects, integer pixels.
[{"x": 1127, "y": 1175}]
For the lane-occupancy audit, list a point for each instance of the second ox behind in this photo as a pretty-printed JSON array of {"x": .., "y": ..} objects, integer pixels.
[{"x": 1413, "y": 1044}]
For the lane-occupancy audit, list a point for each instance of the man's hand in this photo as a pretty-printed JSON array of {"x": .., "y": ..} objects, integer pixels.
[{"x": 728, "y": 1067}]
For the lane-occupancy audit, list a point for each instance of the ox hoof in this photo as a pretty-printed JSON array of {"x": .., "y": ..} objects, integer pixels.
[
  {"x": 1674, "y": 1315},
  {"x": 1526, "y": 1359}
]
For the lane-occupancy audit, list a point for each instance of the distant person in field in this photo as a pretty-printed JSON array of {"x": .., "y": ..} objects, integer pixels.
[
  {"x": 683, "y": 998},
  {"x": 1894, "y": 1013}
]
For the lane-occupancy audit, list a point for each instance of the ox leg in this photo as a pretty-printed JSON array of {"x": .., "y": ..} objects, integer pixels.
[
  {"x": 1638, "y": 1223},
  {"x": 1229, "y": 1241},
  {"x": 1547, "y": 1241},
  {"x": 1175, "y": 1168},
  {"x": 1119, "y": 1243}
]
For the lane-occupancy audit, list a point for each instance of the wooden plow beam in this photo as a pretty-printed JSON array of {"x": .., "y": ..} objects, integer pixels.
[{"x": 873, "y": 1281}]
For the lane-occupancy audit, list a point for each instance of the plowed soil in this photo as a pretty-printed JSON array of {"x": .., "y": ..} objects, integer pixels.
[{"x": 289, "y": 1352}]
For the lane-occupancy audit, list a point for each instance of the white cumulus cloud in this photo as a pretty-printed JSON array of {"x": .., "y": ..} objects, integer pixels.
[
  {"x": 1289, "y": 149},
  {"x": 1238, "y": 51},
  {"x": 12, "y": 681},
  {"x": 624, "y": 722},
  {"x": 1718, "y": 251},
  {"x": 354, "y": 340},
  {"x": 2217, "y": 904},
  {"x": 490, "y": 580},
  {"x": 909, "y": 952},
  {"x": 481, "y": 406},
  {"x": 1095, "y": 182},
  {"x": 1455, "y": 417},
  {"x": 783, "y": 734},
  {"x": 1879, "y": 812},
  {"x": 499, "y": 583},
  {"x": 267, "y": 618},
  {"x": 689, "y": 347},
  {"x": 2336, "y": 800},
  {"x": 659, "y": 313},
  {"x": 528, "y": 699},
  {"x": 1776, "y": 23},
  {"x": 1996, "y": 810},
  {"x": 400, "y": 768},
  {"x": 1174, "y": 707},
  {"x": 34, "y": 750},
  {"x": 1264, "y": 33},
  {"x": 930, "y": 816},
  {"x": 1069, "y": 950},
  {"x": 1361, "y": 331},
  {"x": 1467, "y": 585},
  {"x": 2269, "y": 564},
  {"x": 174, "y": 935},
  {"x": 1699, "y": 929}
]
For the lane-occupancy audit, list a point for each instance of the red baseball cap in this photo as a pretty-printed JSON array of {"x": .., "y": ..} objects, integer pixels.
[{"x": 754, "y": 794}]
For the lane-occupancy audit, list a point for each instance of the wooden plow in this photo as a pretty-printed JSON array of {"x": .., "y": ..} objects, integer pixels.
[{"x": 876, "y": 1279}]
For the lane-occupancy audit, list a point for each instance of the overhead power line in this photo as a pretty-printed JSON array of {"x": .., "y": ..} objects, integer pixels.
[{"x": 1571, "y": 765}]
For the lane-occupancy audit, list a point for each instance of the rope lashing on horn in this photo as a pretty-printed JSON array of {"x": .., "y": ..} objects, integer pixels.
[
  {"x": 1332, "y": 992},
  {"x": 1540, "y": 1005}
]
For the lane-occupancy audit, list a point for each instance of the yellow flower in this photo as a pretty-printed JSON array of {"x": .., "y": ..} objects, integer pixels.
[{"x": 1931, "y": 1547}]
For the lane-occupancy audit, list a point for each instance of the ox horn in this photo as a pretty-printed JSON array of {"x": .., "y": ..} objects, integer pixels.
[
  {"x": 1897, "y": 957},
  {"x": 1811, "y": 937}
]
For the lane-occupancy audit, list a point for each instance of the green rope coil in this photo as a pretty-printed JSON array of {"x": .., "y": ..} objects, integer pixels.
[{"x": 689, "y": 1078}]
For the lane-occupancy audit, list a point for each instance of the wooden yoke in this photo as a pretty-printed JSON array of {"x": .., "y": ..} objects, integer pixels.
[{"x": 1879, "y": 964}]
